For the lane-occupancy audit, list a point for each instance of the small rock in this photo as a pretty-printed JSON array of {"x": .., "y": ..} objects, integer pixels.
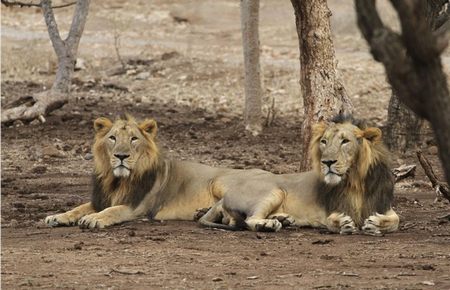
[
  {"x": 88, "y": 156},
  {"x": 263, "y": 254},
  {"x": 132, "y": 233},
  {"x": 225, "y": 120},
  {"x": 433, "y": 150},
  {"x": 252, "y": 277},
  {"x": 143, "y": 75},
  {"x": 217, "y": 279},
  {"x": 427, "y": 283},
  {"x": 13, "y": 223},
  {"x": 39, "y": 169},
  {"x": 78, "y": 246},
  {"x": 51, "y": 151},
  {"x": 80, "y": 64}
]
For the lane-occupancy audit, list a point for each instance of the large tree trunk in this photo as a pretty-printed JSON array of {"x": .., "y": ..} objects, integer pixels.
[
  {"x": 323, "y": 94},
  {"x": 413, "y": 64},
  {"x": 66, "y": 52},
  {"x": 404, "y": 129},
  {"x": 250, "y": 43}
]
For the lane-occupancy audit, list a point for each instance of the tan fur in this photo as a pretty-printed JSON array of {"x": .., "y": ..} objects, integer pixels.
[{"x": 342, "y": 150}]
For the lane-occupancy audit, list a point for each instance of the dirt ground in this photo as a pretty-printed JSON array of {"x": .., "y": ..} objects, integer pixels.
[{"x": 184, "y": 68}]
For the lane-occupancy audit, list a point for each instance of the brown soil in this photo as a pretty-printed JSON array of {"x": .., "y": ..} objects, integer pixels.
[{"x": 188, "y": 76}]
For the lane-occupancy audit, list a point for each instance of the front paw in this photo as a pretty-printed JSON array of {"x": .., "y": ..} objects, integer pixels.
[
  {"x": 347, "y": 225},
  {"x": 92, "y": 221},
  {"x": 62, "y": 219},
  {"x": 372, "y": 226}
]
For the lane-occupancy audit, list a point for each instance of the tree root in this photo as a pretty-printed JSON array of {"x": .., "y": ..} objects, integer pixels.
[{"x": 29, "y": 108}]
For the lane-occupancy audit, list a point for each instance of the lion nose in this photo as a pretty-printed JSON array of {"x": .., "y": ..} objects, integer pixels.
[
  {"x": 329, "y": 162},
  {"x": 122, "y": 157}
]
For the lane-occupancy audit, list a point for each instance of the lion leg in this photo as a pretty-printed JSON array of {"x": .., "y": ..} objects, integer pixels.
[
  {"x": 107, "y": 217},
  {"x": 216, "y": 217},
  {"x": 341, "y": 223},
  {"x": 70, "y": 217},
  {"x": 258, "y": 221},
  {"x": 285, "y": 219},
  {"x": 378, "y": 224}
]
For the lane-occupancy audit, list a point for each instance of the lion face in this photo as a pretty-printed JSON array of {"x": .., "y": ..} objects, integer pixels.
[
  {"x": 124, "y": 147},
  {"x": 337, "y": 147}
]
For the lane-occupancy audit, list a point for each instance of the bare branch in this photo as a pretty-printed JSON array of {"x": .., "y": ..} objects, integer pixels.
[
  {"x": 53, "y": 32},
  {"x": 77, "y": 27},
  {"x": 8, "y": 3}
]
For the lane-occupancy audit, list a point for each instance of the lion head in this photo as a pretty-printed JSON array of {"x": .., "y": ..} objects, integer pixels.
[
  {"x": 125, "y": 148},
  {"x": 345, "y": 149},
  {"x": 353, "y": 164}
]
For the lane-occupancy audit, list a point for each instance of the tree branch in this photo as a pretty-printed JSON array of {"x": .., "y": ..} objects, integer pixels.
[
  {"x": 77, "y": 27},
  {"x": 8, "y": 3},
  {"x": 52, "y": 27}
]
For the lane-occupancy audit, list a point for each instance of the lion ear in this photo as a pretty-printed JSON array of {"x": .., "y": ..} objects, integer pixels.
[
  {"x": 372, "y": 134},
  {"x": 149, "y": 126},
  {"x": 318, "y": 129},
  {"x": 102, "y": 123}
]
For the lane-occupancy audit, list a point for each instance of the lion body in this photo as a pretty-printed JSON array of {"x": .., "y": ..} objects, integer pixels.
[{"x": 349, "y": 189}]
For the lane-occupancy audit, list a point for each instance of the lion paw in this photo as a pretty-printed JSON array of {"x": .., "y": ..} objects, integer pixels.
[
  {"x": 61, "y": 219},
  {"x": 92, "y": 221},
  {"x": 347, "y": 225},
  {"x": 199, "y": 213},
  {"x": 372, "y": 226},
  {"x": 267, "y": 225},
  {"x": 285, "y": 219}
]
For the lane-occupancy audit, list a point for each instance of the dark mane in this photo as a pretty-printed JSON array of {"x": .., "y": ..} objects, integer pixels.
[
  {"x": 347, "y": 118},
  {"x": 377, "y": 196}
]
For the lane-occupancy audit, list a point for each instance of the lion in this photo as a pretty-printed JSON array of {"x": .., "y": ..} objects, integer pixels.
[
  {"x": 349, "y": 190},
  {"x": 133, "y": 178}
]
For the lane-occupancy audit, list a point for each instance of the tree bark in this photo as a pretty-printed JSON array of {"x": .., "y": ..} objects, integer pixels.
[
  {"x": 404, "y": 129},
  {"x": 250, "y": 42},
  {"x": 324, "y": 95},
  {"x": 66, "y": 52},
  {"x": 413, "y": 64}
]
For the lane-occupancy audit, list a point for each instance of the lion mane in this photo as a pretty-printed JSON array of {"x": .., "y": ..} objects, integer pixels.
[
  {"x": 109, "y": 189},
  {"x": 369, "y": 185}
]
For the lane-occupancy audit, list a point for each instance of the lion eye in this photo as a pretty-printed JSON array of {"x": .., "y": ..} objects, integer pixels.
[
  {"x": 112, "y": 138},
  {"x": 133, "y": 138},
  {"x": 323, "y": 141},
  {"x": 345, "y": 141}
]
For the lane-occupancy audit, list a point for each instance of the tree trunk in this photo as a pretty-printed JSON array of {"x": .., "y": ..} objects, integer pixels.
[
  {"x": 250, "y": 43},
  {"x": 413, "y": 64},
  {"x": 404, "y": 129},
  {"x": 323, "y": 94},
  {"x": 66, "y": 52}
]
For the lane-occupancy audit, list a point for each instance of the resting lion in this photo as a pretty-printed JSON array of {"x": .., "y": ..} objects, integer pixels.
[
  {"x": 132, "y": 179},
  {"x": 350, "y": 188}
]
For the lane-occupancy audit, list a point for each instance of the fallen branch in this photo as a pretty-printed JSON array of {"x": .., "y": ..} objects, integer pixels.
[
  {"x": 21, "y": 4},
  {"x": 404, "y": 171},
  {"x": 126, "y": 272},
  {"x": 441, "y": 188}
]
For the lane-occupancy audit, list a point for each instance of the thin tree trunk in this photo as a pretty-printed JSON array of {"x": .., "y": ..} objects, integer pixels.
[
  {"x": 66, "y": 52},
  {"x": 413, "y": 64},
  {"x": 250, "y": 43},
  {"x": 323, "y": 94}
]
